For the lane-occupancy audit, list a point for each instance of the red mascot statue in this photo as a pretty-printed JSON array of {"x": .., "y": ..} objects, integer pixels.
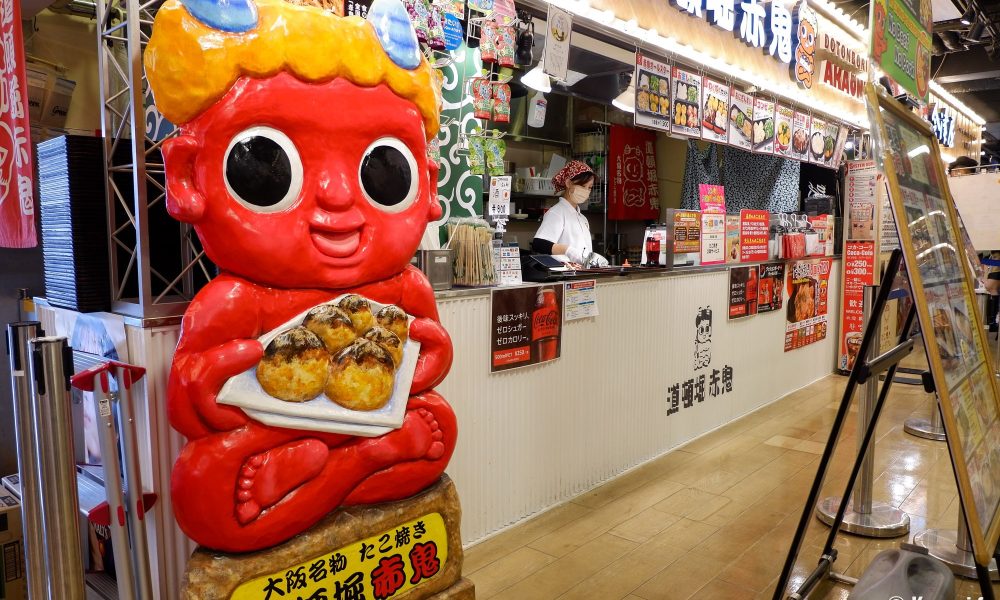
[{"x": 301, "y": 162}]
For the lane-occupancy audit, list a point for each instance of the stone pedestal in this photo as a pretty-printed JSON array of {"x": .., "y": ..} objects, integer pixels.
[{"x": 410, "y": 549}]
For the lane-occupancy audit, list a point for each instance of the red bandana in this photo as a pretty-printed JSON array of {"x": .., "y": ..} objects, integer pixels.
[{"x": 571, "y": 170}]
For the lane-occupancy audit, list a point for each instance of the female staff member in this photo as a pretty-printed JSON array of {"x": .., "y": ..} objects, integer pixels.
[{"x": 564, "y": 229}]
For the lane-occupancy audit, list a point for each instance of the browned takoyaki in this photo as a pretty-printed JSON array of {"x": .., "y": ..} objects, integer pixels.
[
  {"x": 360, "y": 312},
  {"x": 389, "y": 342},
  {"x": 361, "y": 376},
  {"x": 395, "y": 320},
  {"x": 295, "y": 366},
  {"x": 333, "y": 327}
]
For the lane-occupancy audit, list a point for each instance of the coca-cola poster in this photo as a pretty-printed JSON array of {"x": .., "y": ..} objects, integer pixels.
[
  {"x": 17, "y": 208},
  {"x": 526, "y": 326},
  {"x": 633, "y": 187}
]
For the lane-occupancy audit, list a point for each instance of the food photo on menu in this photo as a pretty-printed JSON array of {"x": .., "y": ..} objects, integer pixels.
[
  {"x": 800, "y": 136},
  {"x": 653, "y": 97},
  {"x": 784, "y": 120},
  {"x": 944, "y": 331},
  {"x": 715, "y": 110},
  {"x": 802, "y": 300}
]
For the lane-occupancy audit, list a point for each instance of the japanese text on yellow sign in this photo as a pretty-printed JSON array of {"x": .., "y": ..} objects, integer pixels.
[{"x": 379, "y": 567}]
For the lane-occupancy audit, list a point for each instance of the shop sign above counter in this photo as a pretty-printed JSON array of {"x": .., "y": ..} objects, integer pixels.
[{"x": 775, "y": 48}]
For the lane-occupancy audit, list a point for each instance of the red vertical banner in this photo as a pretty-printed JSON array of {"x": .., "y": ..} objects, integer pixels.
[
  {"x": 17, "y": 206},
  {"x": 859, "y": 271},
  {"x": 633, "y": 189}
]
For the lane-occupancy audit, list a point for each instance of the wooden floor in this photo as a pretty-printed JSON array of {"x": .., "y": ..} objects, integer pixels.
[{"x": 714, "y": 518}]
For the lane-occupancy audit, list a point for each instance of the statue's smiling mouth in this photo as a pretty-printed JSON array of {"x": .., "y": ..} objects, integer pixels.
[{"x": 338, "y": 244}]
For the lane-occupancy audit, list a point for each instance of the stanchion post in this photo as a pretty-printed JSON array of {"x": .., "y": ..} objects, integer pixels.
[
  {"x": 50, "y": 368},
  {"x": 18, "y": 335},
  {"x": 96, "y": 380},
  {"x": 127, "y": 376},
  {"x": 866, "y": 517}
]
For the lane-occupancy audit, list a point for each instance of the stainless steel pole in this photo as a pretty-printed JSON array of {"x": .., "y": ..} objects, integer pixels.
[
  {"x": 864, "y": 516},
  {"x": 18, "y": 335},
  {"x": 107, "y": 434},
  {"x": 50, "y": 368},
  {"x": 862, "y": 500},
  {"x": 127, "y": 376}
]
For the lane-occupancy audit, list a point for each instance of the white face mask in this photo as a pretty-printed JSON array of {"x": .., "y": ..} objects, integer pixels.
[{"x": 579, "y": 195}]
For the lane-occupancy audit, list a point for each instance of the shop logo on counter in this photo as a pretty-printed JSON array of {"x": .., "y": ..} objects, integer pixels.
[
  {"x": 703, "y": 338},
  {"x": 706, "y": 385}
]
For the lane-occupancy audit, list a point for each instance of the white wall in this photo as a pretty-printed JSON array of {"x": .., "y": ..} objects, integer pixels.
[{"x": 534, "y": 437}]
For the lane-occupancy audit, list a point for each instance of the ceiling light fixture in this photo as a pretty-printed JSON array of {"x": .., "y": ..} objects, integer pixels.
[
  {"x": 537, "y": 79},
  {"x": 626, "y": 100},
  {"x": 968, "y": 16}
]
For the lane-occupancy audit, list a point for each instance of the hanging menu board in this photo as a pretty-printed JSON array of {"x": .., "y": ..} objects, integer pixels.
[
  {"x": 801, "y": 131},
  {"x": 784, "y": 121},
  {"x": 817, "y": 141},
  {"x": 763, "y": 126},
  {"x": 740, "y": 119},
  {"x": 685, "y": 117},
  {"x": 830, "y": 132},
  {"x": 942, "y": 290},
  {"x": 652, "y": 93},
  {"x": 715, "y": 116}
]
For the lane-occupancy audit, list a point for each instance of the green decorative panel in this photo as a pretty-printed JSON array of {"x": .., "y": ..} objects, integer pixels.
[{"x": 461, "y": 192}]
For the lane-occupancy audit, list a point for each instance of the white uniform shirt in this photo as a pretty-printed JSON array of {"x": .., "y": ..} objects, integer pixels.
[{"x": 565, "y": 224}]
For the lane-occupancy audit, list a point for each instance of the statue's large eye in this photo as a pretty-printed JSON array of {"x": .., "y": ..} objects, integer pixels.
[
  {"x": 263, "y": 170},
  {"x": 388, "y": 175}
]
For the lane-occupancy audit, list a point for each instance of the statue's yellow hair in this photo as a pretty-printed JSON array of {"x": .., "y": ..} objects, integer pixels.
[{"x": 190, "y": 66}]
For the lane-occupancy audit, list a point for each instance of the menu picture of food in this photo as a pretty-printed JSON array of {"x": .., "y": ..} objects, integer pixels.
[
  {"x": 818, "y": 142},
  {"x": 687, "y": 103},
  {"x": 763, "y": 126},
  {"x": 715, "y": 113},
  {"x": 784, "y": 121},
  {"x": 801, "y": 125},
  {"x": 652, "y": 93},
  {"x": 740, "y": 119},
  {"x": 830, "y": 144}
]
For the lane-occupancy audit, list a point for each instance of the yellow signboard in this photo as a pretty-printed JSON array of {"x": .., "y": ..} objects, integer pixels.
[
  {"x": 942, "y": 284},
  {"x": 379, "y": 567}
]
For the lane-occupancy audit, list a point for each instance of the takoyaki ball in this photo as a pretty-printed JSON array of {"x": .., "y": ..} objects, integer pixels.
[
  {"x": 295, "y": 366},
  {"x": 360, "y": 312},
  {"x": 361, "y": 377},
  {"x": 395, "y": 320},
  {"x": 333, "y": 326},
  {"x": 389, "y": 342}
]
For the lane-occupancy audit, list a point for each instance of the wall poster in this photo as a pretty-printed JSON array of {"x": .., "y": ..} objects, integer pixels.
[
  {"x": 770, "y": 286},
  {"x": 742, "y": 292},
  {"x": 755, "y": 228},
  {"x": 942, "y": 287},
  {"x": 806, "y": 320},
  {"x": 526, "y": 326}
]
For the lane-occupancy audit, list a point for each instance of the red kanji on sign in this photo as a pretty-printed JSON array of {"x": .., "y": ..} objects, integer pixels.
[
  {"x": 388, "y": 576},
  {"x": 424, "y": 560}
]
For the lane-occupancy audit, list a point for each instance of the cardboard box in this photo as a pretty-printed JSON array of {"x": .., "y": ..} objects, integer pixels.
[{"x": 12, "y": 582}]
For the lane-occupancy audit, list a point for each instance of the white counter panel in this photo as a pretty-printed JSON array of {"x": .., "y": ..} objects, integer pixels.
[{"x": 534, "y": 437}]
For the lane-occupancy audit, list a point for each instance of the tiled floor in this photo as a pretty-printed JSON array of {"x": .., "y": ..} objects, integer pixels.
[{"x": 714, "y": 518}]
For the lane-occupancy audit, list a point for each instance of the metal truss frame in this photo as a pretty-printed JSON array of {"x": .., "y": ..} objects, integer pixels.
[{"x": 123, "y": 32}]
